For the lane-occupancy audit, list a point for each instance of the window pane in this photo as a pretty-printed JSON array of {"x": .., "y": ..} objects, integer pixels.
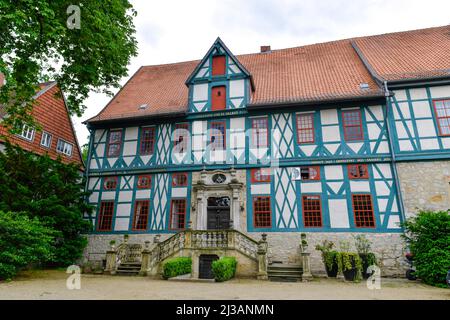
[
  {"x": 259, "y": 131},
  {"x": 218, "y": 135},
  {"x": 305, "y": 128},
  {"x": 363, "y": 211},
  {"x": 312, "y": 211}
]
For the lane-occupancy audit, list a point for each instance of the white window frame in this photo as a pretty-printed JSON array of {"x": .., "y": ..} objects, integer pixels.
[
  {"x": 49, "y": 135},
  {"x": 27, "y": 133},
  {"x": 64, "y": 150}
]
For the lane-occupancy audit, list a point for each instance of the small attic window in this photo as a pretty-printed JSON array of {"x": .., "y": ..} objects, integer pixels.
[
  {"x": 218, "y": 65},
  {"x": 364, "y": 86},
  {"x": 143, "y": 106}
]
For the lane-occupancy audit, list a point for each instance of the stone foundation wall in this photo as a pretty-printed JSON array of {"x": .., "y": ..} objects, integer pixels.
[{"x": 424, "y": 185}]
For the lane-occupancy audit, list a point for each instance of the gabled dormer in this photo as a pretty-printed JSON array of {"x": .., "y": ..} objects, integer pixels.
[{"x": 219, "y": 82}]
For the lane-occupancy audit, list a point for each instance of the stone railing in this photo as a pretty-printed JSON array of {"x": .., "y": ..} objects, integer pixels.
[{"x": 151, "y": 256}]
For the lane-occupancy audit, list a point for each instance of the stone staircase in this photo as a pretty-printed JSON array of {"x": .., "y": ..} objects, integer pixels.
[
  {"x": 284, "y": 272},
  {"x": 129, "y": 268}
]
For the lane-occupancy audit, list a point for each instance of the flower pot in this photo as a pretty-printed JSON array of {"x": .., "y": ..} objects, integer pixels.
[
  {"x": 365, "y": 264},
  {"x": 332, "y": 273},
  {"x": 350, "y": 275}
]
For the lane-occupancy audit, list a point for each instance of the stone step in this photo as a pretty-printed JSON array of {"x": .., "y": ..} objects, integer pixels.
[
  {"x": 129, "y": 267},
  {"x": 127, "y": 272},
  {"x": 284, "y": 279},
  {"x": 284, "y": 272}
]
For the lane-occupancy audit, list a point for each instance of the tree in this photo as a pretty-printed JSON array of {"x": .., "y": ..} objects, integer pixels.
[
  {"x": 23, "y": 241},
  {"x": 428, "y": 236},
  {"x": 84, "y": 47},
  {"x": 50, "y": 191}
]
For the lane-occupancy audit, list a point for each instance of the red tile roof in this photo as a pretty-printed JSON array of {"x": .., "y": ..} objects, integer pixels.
[
  {"x": 414, "y": 54},
  {"x": 314, "y": 73},
  {"x": 51, "y": 113}
]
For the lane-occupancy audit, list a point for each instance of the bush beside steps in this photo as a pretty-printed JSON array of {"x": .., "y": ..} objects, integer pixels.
[
  {"x": 224, "y": 269},
  {"x": 176, "y": 267}
]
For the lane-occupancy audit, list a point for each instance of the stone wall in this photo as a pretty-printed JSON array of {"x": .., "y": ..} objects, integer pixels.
[{"x": 424, "y": 185}]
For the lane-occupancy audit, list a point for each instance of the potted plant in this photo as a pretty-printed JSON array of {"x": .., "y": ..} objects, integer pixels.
[
  {"x": 329, "y": 258},
  {"x": 350, "y": 265},
  {"x": 368, "y": 258},
  {"x": 304, "y": 243}
]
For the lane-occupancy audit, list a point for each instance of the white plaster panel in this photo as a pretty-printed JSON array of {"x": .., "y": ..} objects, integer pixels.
[
  {"x": 334, "y": 173},
  {"x": 108, "y": 195},
  {"x": 217, "y": 156},
  {"x": 129, "y": 148},
  {"x": 308, "y": 149},
  {"x": 425, "y": 128},
  {"x": 197, "y": 142},
  {"x": 331, "y": 133},
  {"x": 198, "y": 127},
  {"x": 100, "y": 149},
  {"x": 93, "y": 164},
  {"x": 237, "y": 124},
  {"x": 404, "y": 109},
  {"x": 179, "y": 192},
  {"x": 382, "y": 204},
  {"x": 329, "y": 116},
  {"x": 200, "y": 92},
  {"x": 121, "y": 224},
  {"x": 131, "y": 133},
  {"x": 98, "y": 134},
  {"x": 92, "y": 184},
  {"x": 429, "y": 144},
  {"x": 440, "y": 92},
  {"x": 359, "y": 186},
  {"x": 311, "y": 187},
  {"x": 381, "y": 188},
  {"x": 123, "y": 210},
  {"x": 93, "y": 198},
  {"x": 446, "y": 143},
  {"x": 385, "y": 169},
  {"x": 394, "y": 222},
  {"x": 418, "y": 93},
  {"x": 338, "y": 213},
  {"x": 383, "y": 147},
  {"x": 377, "y": 111},
  {"x": 374, "y": 131},
  {"x": 400, "y": 95},
  {"x": 123, "y": 182},
  {"x": 237, "y": 140},
  {"x": 143, "y": 194},
  {"x": 125, "y": 196},
  {"x": 260, "y": 188},
  {"x": 237, "y": 88},
  {"x": 421, "y": 109},
  {"x": 405, "y": 145}
]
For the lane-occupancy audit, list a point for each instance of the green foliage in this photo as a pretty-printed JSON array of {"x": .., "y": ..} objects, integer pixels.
[
  {"x": 85, "y": 152},
  {"x": 176, "y": 267},
  {"x": 23, "y": 241},
  {"x": 348, "y": 261},
  {"x": 329, "y": 256},
  {"x": 428, "y": 236},
  {"x": 224, "y": 269},
  {"x": 363, "y": 245},
  {"x": 50, "y": 191},
  {"x": 37, "y": 45}
]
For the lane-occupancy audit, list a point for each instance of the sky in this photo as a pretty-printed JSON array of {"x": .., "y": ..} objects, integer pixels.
[{"x": 180, "y": 30}]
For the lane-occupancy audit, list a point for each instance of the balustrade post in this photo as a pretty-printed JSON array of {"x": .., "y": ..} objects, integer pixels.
[
  {"x": 306, "y": 261},
  {"x": 111, "y": 260},
  {"x": 188, "y": 238},
  {"x": 262, "y": 258},
  {"x": 145, "y": 259}
]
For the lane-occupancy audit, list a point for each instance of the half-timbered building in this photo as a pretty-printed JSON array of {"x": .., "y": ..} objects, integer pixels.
[{"x": 331, "y": 139}]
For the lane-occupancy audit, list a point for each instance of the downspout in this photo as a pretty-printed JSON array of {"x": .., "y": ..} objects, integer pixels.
[{"x": 393, "y": 158}]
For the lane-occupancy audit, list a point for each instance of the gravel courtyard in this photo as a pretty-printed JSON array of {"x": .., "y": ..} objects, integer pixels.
[{"x": 51, "y": 284}]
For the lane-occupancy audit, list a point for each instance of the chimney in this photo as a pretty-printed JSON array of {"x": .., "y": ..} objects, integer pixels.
[{"x": 265, "y": 49}]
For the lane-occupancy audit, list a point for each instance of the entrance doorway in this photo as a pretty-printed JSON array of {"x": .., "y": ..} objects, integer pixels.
[
  {"x": 218, "y": 213},
  {"x": 205, "y": 266}
]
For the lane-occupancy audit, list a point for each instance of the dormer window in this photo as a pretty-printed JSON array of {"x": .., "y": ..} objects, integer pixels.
[
  {"x": 218, "y": 65},
  {"x": 218, "y": 98}
]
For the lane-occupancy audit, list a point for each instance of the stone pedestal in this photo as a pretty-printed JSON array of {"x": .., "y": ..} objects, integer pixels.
[
  {"x": 306, "y": 276},
  {"x": 145, "y": 259},
  {"x": 262, "y": 259},
  {"x": 111, "y": 257}
]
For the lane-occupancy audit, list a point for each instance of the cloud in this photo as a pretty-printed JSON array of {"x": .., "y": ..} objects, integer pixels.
[{"x": 172, "y": 31}]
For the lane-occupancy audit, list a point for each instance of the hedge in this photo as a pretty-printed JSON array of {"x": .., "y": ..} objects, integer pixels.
[
  {"x": 176, "y": 267},
  {"x": 224, "y": 269}
]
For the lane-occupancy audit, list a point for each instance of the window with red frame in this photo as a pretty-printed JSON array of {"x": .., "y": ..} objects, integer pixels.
[
  {"x": 260, "y": 175},
  {"x": 144, "y": 182},
  {"x": 114, "y": 143},
  {"x": 178, "y": 214},
  {"x": 218, "y": 98},
  {"x": 442, "y": 111},
  {"x": 110, "y": 183},
  {"x": 358, "y": 171},
  {"x": 312, "y": 211},
  {"x": 262, "y": 212},
  {"x": 105, "y": 216},
  {"x": 140, "y": 219},
  {"x": 310, "y": 173},
  {"x": 260, "y": 133},
  {"x": 352, "y": 125},
  {"x": 147, "y": 140},
  {"x": 363, "y": 211},
  {"x": 218, "y": 140},
  {"x": 179, "y": 179},
  {"x": 218, "y": 65},
  {"x": 181, "y": 135},
  {"x": 305, "y": 128}
]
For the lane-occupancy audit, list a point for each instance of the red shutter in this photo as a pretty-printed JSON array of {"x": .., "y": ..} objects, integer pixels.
[
  {"x": 218, "y": 65},
  {"x": 218, "y": 98}
]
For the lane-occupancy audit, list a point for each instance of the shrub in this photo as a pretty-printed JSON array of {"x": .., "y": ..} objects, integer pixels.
[
  {"x": 348, "y": 261},
  {"x": 428, "y": 236},
  {"x": 23, "y": 241},
  {"x": 329, "y": 257},
  {"x": 176, "y": 267},
  {"x": 224, "y": 269},
  {"x": 50, "y": 191}
]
